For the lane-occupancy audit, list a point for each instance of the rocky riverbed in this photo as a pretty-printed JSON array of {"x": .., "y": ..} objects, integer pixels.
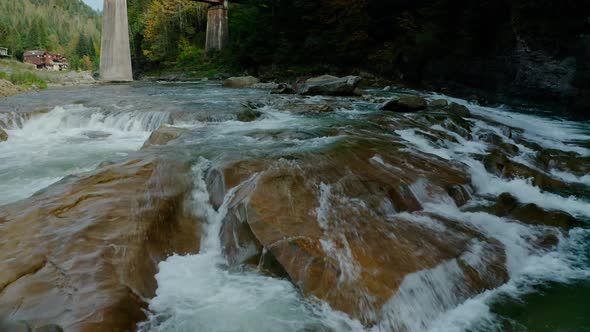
[{"x": 189, "y": 206}]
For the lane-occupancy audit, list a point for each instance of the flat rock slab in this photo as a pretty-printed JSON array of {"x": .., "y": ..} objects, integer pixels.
[{"x": 83, "y": 253}]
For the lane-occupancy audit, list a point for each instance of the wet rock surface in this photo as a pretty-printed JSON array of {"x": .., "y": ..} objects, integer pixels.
[
  {"x": 345, "y": 243},
  {"x": 240, "y": 82},
  {"x": 405, "y": 104},
  {"x": 372, "y": 212},
  {"x": 163, "y": 136},
  {"x": 330, "y": 86},
  {"x": 82, "y": 253},
  {"x": 508, "y": 206}
]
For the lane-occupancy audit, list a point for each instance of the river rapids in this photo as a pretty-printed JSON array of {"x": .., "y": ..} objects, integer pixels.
[{"x": 299, "y": 214}]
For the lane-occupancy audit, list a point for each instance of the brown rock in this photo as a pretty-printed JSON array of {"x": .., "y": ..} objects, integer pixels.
[
  {"x": 3, "y": 135},
  {"x": 307, "y": 108},
  {"x": 326, "y": 223},
  {"x": 498, "y": 163},
  {"x": 508, "y": 206},
  {"x": 321, "y": 79},
  {"x": 240, "y": 82},
  {"x": 163, "y": 136},
  {"x": 83, "y": 253},
  {"x": 405, "y": 104},
  {"x": 215, "y": 187}
]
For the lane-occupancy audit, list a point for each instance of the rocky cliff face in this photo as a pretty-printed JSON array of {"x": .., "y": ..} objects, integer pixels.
[{"x": 501, "y": 51}]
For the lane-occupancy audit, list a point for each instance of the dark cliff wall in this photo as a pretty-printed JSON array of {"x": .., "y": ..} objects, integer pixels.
[
  {"x": 537, "y": 51},
  {"x": 534, "y": 50}
]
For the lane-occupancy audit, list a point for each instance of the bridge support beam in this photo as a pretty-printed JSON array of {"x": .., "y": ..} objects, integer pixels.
[
  {"x": 115, "y": 53},
  {"x": 217, "y": 28}
]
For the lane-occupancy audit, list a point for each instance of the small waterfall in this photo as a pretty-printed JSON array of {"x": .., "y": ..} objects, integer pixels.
[
  {"x": 43, "y": 147},
  {"x": 200, "y": 293},
  {"x": 14, "y": 120},
  {"x": 80, "y": 117}
]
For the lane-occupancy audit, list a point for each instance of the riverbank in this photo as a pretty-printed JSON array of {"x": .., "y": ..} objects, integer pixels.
[
  {"x": 17, "y": 78},
  {"x": 293, "y": 75}
]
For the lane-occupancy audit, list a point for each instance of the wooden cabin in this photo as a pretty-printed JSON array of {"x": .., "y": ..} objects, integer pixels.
[{"x": 46, "y": 60}]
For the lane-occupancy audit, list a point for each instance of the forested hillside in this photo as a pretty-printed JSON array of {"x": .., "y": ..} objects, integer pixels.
[{"x": 69, "y": 27}]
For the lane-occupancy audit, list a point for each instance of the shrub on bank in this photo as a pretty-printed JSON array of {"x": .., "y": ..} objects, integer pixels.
[{"x": 27, "y": 79}]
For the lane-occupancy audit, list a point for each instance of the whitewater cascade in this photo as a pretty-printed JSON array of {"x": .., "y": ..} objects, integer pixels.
[{"x": 351, "y": 220}]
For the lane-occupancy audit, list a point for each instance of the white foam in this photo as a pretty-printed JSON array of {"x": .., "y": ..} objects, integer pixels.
[
  {"x": 67, "y": 140},
  {"x": 488, "y": 184},
  {"x": 421, "y": 298},
  {"x": 569, "y": 177},
  {"x": 562, "y": 265},
  {"x": 422, "y": 143},
  {"x": 525, "y": 192},
  {"x": 549, "y": 133},
  {"x": 335, "y": 242}
]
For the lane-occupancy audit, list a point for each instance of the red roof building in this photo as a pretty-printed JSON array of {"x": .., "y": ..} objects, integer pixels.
[{"x": 46, "y": 60}]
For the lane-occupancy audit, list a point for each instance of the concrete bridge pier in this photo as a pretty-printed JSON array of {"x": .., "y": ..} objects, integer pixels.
[
  {"x": 115, "y": 53},
  {"x": 217, "y": 27}
]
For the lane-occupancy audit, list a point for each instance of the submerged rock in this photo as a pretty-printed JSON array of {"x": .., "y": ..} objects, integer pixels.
[
  {"x": 439, "y": 103},
  {"x": 330, "y": 86},
  {"x": 284, "y": 90},
  {"x": 302, "y": 108},
  {"x": 266, "y": 86},
  {"x": 459, "y": 110},
  {"x": 163, "y": 136},
  {"x": 405, "y": 104},
  {"x": 508, "y": 206},
  {"x": 3, "y": 135},
  {"x": 248, "y": 115},
  {"x": 83, "y": 253},
  {"x": 240, "y": 82},
  {"x": 498, "y": 163}
]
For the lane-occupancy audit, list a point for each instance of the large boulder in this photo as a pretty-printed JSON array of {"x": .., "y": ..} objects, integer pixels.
[
  {"x": 240, "y": 82},
  {"x": 405, "y": 104},
  {"x": 321, "y": 78},
  {"x": 330, "y": 86},
  {"x": 3, "y": 135},
  {"x": 83, "y": 253},
  {"x": 344, "y": 243}
]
